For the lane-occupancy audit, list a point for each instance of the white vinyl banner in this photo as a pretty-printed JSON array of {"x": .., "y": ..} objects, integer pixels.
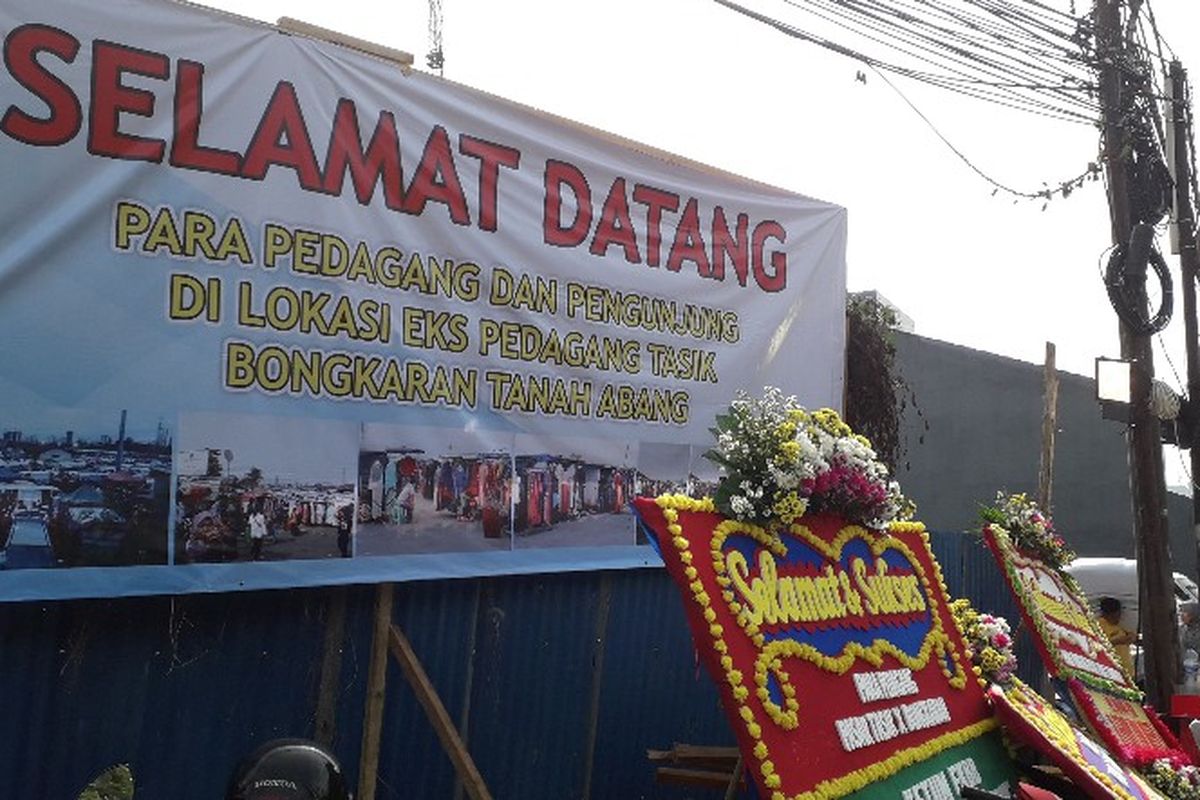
[{"x": 274, "y": 312}]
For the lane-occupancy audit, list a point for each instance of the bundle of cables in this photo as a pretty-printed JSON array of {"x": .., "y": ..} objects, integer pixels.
[{"x": 1125, "y": 279}]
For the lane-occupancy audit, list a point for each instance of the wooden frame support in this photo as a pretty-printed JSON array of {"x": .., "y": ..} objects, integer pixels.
[
  {"x": 735, "y": 780},
  {"x": 427, "y": 695},
  {"x": 703, "y": 766},
  {"x": 331, "y": 667},
  {"x": 368, "y": 765},
  {"x": 386, "y": 636}
]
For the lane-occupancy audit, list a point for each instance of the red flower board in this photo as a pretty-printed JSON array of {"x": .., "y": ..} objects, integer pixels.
[
  {"x": 1130, "y": 730},
  {"x": 1074, "y": 648},
  {"x": 1067, "y": 633},
  {"x": 833, "y": 646}
]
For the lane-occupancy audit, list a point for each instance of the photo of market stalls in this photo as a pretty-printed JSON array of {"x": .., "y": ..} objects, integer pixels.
[
  {"x": 433, "y": 490},
  {"x": 253, "y": 488},
  {"x": 573, "y": 492},
  {"x": 94, "y": 494},
  {"x": 671, "y": 468}
]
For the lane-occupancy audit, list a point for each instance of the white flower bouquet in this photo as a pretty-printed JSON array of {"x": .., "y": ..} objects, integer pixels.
[{"x": 782, "y": 461}]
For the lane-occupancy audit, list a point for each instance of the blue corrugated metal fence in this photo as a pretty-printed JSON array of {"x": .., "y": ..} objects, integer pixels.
[{"x": 559, "y": 683}]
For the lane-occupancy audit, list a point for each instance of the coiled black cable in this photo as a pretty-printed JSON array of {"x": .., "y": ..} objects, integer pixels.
[{"x": 1125, "y": 279}]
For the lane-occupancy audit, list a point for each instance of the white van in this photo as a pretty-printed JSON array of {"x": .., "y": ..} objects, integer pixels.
[{"x": 1117, "y": 577}]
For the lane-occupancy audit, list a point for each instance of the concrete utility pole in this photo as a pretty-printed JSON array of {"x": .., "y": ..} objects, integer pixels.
[
  {"x": 1146, "y": 479},
  {"x": 1185, "y": 221}
]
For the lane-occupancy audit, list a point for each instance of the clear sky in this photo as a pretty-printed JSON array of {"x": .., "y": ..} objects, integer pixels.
[
  {"x": 694, "y": 78},
  {"x": 300, "y": 450}
]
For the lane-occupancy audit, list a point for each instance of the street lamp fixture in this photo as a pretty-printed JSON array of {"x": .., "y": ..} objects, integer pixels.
[{"x": 1112, "y": 388}]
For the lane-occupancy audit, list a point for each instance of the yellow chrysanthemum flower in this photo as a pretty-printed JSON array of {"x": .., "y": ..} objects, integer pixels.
[
  {"x": 789, "y": 508},
  {"x": 790, "y": 450}
]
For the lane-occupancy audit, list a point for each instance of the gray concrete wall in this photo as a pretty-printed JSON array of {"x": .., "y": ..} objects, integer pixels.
[{"x": 985, "y": 420}]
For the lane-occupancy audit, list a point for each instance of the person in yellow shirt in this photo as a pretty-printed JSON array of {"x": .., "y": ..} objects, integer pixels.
[{"x": 1120, "y": 636}]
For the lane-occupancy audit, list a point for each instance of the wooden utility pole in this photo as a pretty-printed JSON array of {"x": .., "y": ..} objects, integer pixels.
[
  {"x": 1185, "y": 221},
  {"x": 1146, "y": 479},
  {"x": 1049, "y": 426}
]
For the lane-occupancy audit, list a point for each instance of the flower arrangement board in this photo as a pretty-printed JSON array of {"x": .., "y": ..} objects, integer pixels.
[
  {"x": 833, "y": 646},
  {"x": 1067, "y": 634},
  {"x": 1033, "y": 722},
  {"x": 1131, "y": 731},
  {"x": 1074, "y": 648}
]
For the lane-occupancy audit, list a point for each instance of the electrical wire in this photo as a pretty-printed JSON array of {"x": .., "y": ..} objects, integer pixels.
[
  {"x": 1170, "y": 362},
  {"x": 1092, "y": 169},
  {"x": 950, "y": 78},
  {"x": 960, "y": 65},
  {"x": 1020, "y": 54},
  {"x": 1183, "y": 462},
  {"x": 1017, "y": 53},
  {"x": 936, "y": 37},
  {"x": 1014, "y": 44},
  {"x": 967, "y": 48},
  {"x": 1187, "y": 470}
]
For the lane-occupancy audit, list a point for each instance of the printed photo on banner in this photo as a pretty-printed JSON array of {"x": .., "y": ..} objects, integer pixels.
[
  {"x": 83, "y": 488},
  {"x": 673, "y": 468},
  {"x": 261, "y": 488},
  {"x": 433, "y": 490},
  {"x": 574, "y": 491}
]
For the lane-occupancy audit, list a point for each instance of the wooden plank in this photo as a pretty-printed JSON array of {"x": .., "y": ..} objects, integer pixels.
[
  {"x": 686, "y": 751},
  {"x": 368, "y": 765},
  {"x": 692, "y": 777},
  {"x": 735, "y": 780},
  {"x": 427, "y": 695},
  {"x": 697, "y": 755},
  {"x": 331, "y": 667},
  {"x": 599, "y": 636},
  {"x": 464, "y": 721}
]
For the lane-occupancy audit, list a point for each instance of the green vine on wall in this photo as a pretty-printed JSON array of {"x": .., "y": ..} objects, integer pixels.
[{"x": 877, "y": 396}]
